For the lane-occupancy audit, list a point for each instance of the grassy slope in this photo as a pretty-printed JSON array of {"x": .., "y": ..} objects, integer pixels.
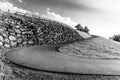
[
  {"x": 10, "y": 71},
  {"x": 83, "y": 34},
  {"x": 94, "y": 47},
  {"x": 47, "y": 58},
  {"x": 16, "y": 72}
]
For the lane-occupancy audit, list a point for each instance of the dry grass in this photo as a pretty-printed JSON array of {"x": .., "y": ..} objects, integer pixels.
[
  {"x": 94, "y": 47},
  {"x": 83, "y": 34}
]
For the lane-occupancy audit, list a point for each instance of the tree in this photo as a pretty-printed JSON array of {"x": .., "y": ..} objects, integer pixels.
[
  {"x": 79, "y": 27},
  {"x": 86, "y": 29},
  {"x": 116, "y": 38}
]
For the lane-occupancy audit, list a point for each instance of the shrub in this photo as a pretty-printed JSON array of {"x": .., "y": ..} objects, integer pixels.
[
  {"x": 86, "y": 29},
  {"x": 81, "y": 28},
  {"x": 116, "y": 38}
]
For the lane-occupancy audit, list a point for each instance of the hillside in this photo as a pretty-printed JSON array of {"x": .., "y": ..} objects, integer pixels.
[
  {"x": 94, "y": 47},
  {"x": 22, "y": 30},
  {"x": 20, "y": 34},
  {"x": 102, "y": 65}
]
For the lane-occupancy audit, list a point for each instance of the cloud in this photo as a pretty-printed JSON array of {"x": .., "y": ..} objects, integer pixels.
[
  {"x": 20, "y": 1},
  {"x": 57, "y": 17},
  {"x": 66, "y": 4},
  {"x": 5, "y": 6}
]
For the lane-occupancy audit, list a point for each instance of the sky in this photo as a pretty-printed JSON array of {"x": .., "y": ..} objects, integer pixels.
[{"x": 101, "y": 16}]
